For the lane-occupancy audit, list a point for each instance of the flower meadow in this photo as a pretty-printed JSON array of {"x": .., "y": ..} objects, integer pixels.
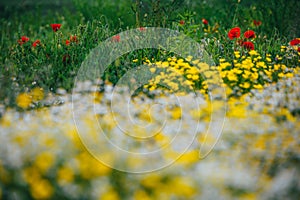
[{"x": 157, "y": 124}]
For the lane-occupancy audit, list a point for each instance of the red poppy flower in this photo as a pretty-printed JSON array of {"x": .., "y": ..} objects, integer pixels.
[
  {"x": 36, "y": 43},
  {"x": 68, "y": 42},
  {"x": 55, "y": 27},
  {"x": 204, "y": 21},
  {"x": 256, "y": 22},
  {"x": 248, "y": 45},
  {"x": 73, "y": 38},
  {"x": 23, "y": 40},
  {"x": 295, "y": 42},
  {"x": 181, "y": 22},
  {"x": 234, "y": 33},
  {"x": 249, "y": 34},
  {"x": 116, "y": 38},
  {"x": 142, "y": 29}
]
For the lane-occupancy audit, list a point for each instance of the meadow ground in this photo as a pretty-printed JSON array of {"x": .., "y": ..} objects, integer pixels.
[{"x": 161, "y": 99}]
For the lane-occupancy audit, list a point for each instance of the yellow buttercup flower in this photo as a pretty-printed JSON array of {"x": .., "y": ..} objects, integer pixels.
[
  {"x": 41, "y": 189},
  {"x": 253, "y": 53},
  {"x": 44, "y": 161},
  {"x": 268, "y": 59},
  {"x": 65, "y": 174},
  {"x": 24, "y": 100},
  {"x": 189, "y": 157},
  {"x": 141, "y": 195},
  {"x": 37, "y": 94}
]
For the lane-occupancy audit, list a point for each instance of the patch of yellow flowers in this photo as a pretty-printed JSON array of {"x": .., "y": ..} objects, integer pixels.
[
  {"x": 26, "y": 99},
  {"x": 239, "y": 76}
]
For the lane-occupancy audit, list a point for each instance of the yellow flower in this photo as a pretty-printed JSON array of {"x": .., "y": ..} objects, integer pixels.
[
  {"x": 189, "y": 157},
  {"x": 258, "y": 86},
  {"x": 151, "y": 181},
  {"x": 44, "y": 161},
  {"x": 232, "y": 77},
  {"x": 90, "y": 167},
  {"x": 246, "y": 74},
  {"x": 283, "y": 47},
  {"x": 280, "y": 75},
  {"x": 135, "y": 60},
  {"x": 289, "y": 75},
  {"x": 248, "y": 196},
  {"x": 31, "y": 174},
  {"x": 37, "y": 94},
  {"x": 222, "y": 60},
  {"x": 261, "y": 64},
  {"x": 278, "y": 57},
  {"x": 152, "y": 88},
  {"x": 110, "y": 194},
  {"x": 237, "y": 54},
  {"x": 268, "y": 59},
  {"x": 23, "y": 100},
  {"x": 98, "y": 97},
  {"x": 195, "y": 61},
  {"x": 237, "y": 109},
  {"x": 195, "y": 77},
  {"x": 224, "y": 65},
  {"x": 189, "y": 58},
  {"x": 181, "y": 187},
  {"x": 165, "y": 64},
  {"x": 141, "y": 195},
  {"x": 161, "y": 138},
  {"x": 253, "y": 53},
  {"x": 254, "y": 76},
  {"x": 295, "y": 48},
  {"x": 260, "y": 143},
  {"x": 65, "y": 174},
  {"x": 245, "y": 85},
  {"x": 41, "y": 189}
]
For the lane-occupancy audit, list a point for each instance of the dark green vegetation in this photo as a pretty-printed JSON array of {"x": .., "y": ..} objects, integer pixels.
[{"x": 53, "y": 64}]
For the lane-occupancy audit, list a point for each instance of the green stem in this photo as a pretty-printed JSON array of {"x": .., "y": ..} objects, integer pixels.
[
  {"x": 234, "y": 23},
  {"x": 137, "y": 12}
]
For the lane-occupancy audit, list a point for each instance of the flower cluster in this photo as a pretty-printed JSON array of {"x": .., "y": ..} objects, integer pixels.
[
  {"x": 295, "y": 43},
  {"x": 26, "y": 99},
  {"x": 257, "y": 22},
  {"x": 252, "y": 71},
  {"x": 73, "y": 39},
  {"x": 37, "y": 42},
  {"x": 23, "y": 40},
  {"x": 235, "y": 33},
  {"x": 244, "y": 73},
  {"x": 182, "y": 75},
  {"x": 174, "y": 74}
]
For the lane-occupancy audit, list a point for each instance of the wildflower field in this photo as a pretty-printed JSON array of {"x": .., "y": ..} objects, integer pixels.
[{"x": 150, "y": 99}]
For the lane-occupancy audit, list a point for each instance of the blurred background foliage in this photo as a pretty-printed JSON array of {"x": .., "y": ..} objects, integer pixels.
[{"x": 277, "y": 15}]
